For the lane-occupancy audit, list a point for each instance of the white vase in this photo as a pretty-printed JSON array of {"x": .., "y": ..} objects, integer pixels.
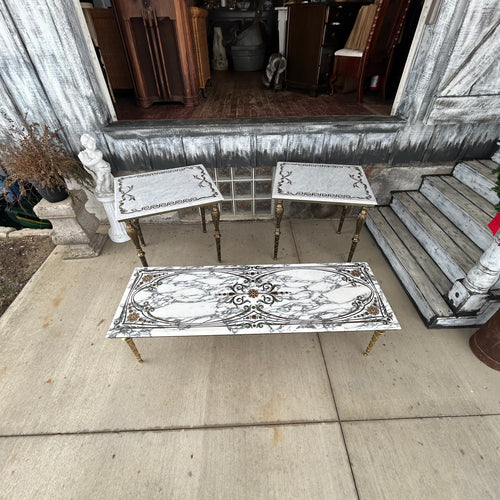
[{"x": 219, "y": 61}]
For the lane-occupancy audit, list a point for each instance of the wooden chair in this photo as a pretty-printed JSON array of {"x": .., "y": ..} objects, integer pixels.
[{"x": 370, "y": 51}]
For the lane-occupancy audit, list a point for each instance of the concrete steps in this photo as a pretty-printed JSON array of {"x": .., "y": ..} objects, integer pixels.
[{"x": 433, "y": 236}]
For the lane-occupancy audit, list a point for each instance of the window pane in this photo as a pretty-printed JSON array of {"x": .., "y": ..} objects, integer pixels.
[
  {"x": 243, "y": 172},
  {"x": 243, "y": 189},
  {"x": 226, "y": 207},
  {"x": 225, "y": 189},
  {"x": 263, "y": 171},
  {"x": 263, "y": 207},
  {"x": 263, "y": 188},
  {"x": 243, "y": 207},
  {"x": 224, "y": 173}
]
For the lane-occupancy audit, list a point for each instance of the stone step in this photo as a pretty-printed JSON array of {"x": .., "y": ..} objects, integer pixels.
[
  {"x": 411, "y": 264},
  {"x": 479, "y": 176},
  {"x": 471, "y": 219},
  {"x": 420, "y": 217}
]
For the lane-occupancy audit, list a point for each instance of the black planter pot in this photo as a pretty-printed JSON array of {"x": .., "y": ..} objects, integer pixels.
[{"x": 52, "y": 195}]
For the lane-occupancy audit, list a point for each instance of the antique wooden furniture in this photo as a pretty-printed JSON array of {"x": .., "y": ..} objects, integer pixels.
[
  {"x": 199, "y": 31},
  {"x": 375, "y": 58},
  {"x": 315, "y": 32},
  {"x": 111, "y": 47},
  {"x": 322, "y": 183},
  {"x": 161, "y": 191},
  {"x": 246, "y": 300},
  {"x": 157, "y": 36}
]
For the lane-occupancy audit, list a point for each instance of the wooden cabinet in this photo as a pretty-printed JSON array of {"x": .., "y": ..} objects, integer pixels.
[
  {"x": 315, "y": 32},
  {"x": 111, "y": 47},
  {"x": 157, "y": 36}
]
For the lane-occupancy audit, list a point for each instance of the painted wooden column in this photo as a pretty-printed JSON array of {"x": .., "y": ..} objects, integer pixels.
[{"x": 468, "y": 295}]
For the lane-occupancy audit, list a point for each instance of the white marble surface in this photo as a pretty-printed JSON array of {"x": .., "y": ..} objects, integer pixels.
[
  {"x": 320, "y": 182},
  {"x": 162, "y": 191},
  {"x": 260, "y": 299}
]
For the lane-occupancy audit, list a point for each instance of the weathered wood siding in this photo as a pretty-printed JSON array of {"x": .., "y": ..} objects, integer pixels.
[{"x": 46, "y": 70}]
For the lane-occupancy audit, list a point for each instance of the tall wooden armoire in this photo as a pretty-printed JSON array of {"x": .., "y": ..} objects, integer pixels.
[{"x": 157, "y": 37}]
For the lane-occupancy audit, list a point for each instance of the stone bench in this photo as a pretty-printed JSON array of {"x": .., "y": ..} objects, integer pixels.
[{"x": 251, "y": 299}]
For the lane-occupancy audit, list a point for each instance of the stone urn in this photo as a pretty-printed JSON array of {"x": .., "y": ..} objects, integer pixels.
[{"x": 485, "y": 343}]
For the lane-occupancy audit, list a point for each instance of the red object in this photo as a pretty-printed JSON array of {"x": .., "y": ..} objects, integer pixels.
[{"x": 494, "y": 224}]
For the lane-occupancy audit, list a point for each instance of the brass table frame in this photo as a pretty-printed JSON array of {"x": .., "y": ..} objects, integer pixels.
[{"x": 135, "y": 232}]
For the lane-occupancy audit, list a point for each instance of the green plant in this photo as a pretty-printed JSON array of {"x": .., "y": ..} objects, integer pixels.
[{"x": 34, "y": 152}]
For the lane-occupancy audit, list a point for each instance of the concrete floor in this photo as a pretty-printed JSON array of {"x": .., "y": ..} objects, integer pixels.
[{"x": 254, "y": 417}]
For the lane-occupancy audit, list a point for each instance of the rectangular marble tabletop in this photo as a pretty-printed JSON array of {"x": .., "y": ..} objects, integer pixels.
[
  {"x": 162, "y": 191},
  {"x": 326, "y": 183},
  {"x": 260, "y": 299}
]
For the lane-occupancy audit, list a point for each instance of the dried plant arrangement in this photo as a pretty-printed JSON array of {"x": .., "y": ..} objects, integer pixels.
[{"x": 33, "y": 153}]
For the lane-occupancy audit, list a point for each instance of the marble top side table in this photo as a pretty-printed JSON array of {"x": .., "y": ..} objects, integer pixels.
[
  {"x": 161, "y": 191},
  {"x": 322, "y": 183},
  {"x": 251, "y": 299}
]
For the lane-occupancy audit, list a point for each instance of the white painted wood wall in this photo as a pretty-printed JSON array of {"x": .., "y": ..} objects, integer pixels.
[{"x": 46, "y": 71}]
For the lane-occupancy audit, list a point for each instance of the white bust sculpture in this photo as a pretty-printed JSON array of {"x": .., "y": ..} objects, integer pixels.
[{"x": 99, "y": 169}]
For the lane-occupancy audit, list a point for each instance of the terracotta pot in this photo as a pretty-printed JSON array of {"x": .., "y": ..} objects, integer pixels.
[
  {"x": 485, "y": 343},
  {"x": 52, "y": 195}
]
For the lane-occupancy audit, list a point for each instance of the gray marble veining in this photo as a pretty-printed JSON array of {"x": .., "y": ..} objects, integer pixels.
[
  {"x": 327, "y": 183},
  {"x": 260, "y": 299},
  {"x": 162, "y": 191}
]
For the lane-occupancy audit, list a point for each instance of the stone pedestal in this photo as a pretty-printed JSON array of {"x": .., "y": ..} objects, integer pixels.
[
  {"x": 117, "y": 231},
  {"x": 73, "y": 227}
]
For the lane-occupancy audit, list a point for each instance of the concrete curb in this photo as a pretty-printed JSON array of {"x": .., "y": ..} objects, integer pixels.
[{"x": 12, "y": 233}]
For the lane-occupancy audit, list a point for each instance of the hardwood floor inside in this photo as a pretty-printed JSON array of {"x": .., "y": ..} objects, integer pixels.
[{"x": 233, "y": 94}]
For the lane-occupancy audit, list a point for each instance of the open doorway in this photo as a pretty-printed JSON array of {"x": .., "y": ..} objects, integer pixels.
[{"x": 242, "y": 93}]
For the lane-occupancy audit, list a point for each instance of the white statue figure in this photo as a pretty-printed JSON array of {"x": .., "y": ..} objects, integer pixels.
[
  {"x": 100, "y": 171},
  {"x": 219, "y": 61}
]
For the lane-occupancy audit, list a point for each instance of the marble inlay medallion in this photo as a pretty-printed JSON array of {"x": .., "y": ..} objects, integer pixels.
[
  {"x": 225, "y": 300},
  {"x": 346, "y": 184},
  {"x": 164, "y": 191}
]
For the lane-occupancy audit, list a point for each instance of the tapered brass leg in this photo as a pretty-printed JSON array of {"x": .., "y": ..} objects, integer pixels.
[
  {"x": 359, "y": 225},
  {"x": 137, "y": 227},
  {"x": 278, "y": 213},
  {"x": 132, "y": 346},
  {"x": 203, "y": 219},
  {"x": 376, "y": 335},
  {"x": 215, "y": 220},
  {"x": 131, "y": 231},
  {"x": 342, "y": 217}
]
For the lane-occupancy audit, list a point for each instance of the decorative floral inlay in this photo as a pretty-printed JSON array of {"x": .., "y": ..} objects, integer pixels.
[
  {"x": 133, "y": 316},
  {"x": 269, "y": 298}
]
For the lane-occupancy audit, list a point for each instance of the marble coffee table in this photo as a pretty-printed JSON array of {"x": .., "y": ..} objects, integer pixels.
[
  {"x": 322, "y": 183},
  {"x": 259, "y": 299},
  {"x": 162, "y": 191}
]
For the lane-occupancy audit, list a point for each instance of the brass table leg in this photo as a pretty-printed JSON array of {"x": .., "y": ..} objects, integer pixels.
[
  {"x": 203, "y": 219},
  {"x": 215, "y": 220},
  {"x": 359, "y": 225},
  {"x": 132, "y": 346},
  {"x": 137, "y": 227},
  {"x": 376, "y": 335},
  {"x": 342, "y": 217},
  {"x": 132, "y": 232},
  {"x": 278, "y": 213}
]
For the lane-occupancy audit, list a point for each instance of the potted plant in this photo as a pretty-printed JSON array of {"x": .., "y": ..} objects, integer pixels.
[{"x": 33, "y": 154}]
